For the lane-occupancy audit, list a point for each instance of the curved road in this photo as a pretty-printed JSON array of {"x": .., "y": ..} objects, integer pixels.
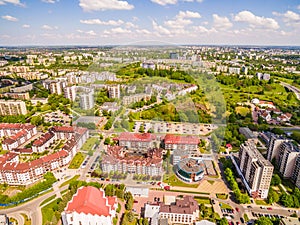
[
  {"x": 292, "y": 88},
  {"x": 31, "y": 209}
]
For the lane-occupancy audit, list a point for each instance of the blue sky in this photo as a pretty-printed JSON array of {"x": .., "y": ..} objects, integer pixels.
[{"x": 102, "y": 22}]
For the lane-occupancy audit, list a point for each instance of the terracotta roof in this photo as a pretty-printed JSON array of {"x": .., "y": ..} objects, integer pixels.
[
  {"x": 188, "y": 205},
  {"x": 43, "y": 139},
  {"x": 144, "y": 137},
  {"x": 64, "y": 129},
  {"x": 176, "y": 139},
  {"x": 90, "y": 200}
]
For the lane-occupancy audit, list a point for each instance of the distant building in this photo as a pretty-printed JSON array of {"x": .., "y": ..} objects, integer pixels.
[
  {"x": 234, "y": 70},
  {"x": 21, "y": 89},
  {"x": 256, "y": 170},
  {"x": 12, "y": 107},
  {"x": 70, "y": 93},
  {"x": 131, "y": 89},
  {"x": 148, "y": 65},
  {"x": 183, "y": 211},
  {"x": 87, "y": 99},
  {"x": 114, "y": 91},
  {"x": 90, "y": 206},
  {"x": 21, "y": 96},
  {"x": 127, "y": 100},
  {"x": 174, "y": 55},
  {"x": 57, "y": 87},
  {"x": 263, "y": 76},
  {"x": 110, "y": 106}
]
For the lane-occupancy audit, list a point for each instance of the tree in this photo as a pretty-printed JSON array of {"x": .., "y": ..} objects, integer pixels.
[
  {"x": 107, "y": 141},
  {"x": 263, "y": 221},
  {"x": 275, "y": 180},
  {"x": 223, "y": 221}
]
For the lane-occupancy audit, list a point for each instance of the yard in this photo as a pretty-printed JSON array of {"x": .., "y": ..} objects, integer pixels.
[
  {"x": 90, "y": 143},
  {"x": 172, "y": 180},
  {"x": 77, "y": 160}
]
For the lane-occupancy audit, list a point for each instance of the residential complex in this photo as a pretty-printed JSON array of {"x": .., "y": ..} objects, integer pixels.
[
  {"x": 137, "y": 141},
  {"x": 12, "y": 107},
  {"x": 87, "y": 99},
  {"x": 114, "y": 91},
  {"x": 118, "y": 159},
  {"x": 257, "y": 171},
  {"x": 90, "y": 206},
  {"x": 15, "y": 171}
]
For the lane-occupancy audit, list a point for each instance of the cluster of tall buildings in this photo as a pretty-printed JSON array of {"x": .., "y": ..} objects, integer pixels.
[{"x": 256, "y": 171}]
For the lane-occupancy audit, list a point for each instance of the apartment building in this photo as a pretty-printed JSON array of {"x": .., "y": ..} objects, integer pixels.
[
  {"x": 288, "y": 154},
  {"x": 136, "y": 140},
  {"x": 14, "y": 171},
  {"x": 256, "y": 170},
  {"x": 16, "y": 134},
  {"x": 87, "y": 99},
  {"x": 296, "y": 174},
  {"x": 127, "y": 100},
  {"x": 118, "y": 159},
  {"x": 182, "y": 211},
  {"x": 114, "y": 91},
  {"x": 12, "y": 107},
  {"x": 274, "y": 147},
  {"x": 70, "y": 93},
  {"x": 181, "y": 146}
]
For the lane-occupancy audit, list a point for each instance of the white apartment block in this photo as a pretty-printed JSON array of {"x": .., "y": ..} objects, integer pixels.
[
  {"x": 12, "y": 107},
  {"x": 70, "y": 93},
  {"x": 114, "y": 91},
  {"x": 256, "y": 170}
]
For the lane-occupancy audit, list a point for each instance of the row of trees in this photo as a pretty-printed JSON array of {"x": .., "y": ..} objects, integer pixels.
[
  {"x": 144, "y": 102},
  {"x": 240, "y": 197},
  {"x": 49, "y": 179}
]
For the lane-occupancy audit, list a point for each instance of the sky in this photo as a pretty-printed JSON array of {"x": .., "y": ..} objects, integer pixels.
[{"x": 126, "y": 22}]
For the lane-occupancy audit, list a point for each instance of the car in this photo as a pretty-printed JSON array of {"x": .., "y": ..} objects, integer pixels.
[
  {"x": 213, "y": 201},
  {"x": 249, "y": 206},
  {"x": 135, "y": 201},
  {"x": 242, "y": 220},
  {"x": 237, "y": 222},
  {"x": 237, "y": 209},
  {"x": 269, "y": 208}
]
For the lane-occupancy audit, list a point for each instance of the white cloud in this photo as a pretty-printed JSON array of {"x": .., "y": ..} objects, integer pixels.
[
  {"x": 47, "y": 27},
  {"x": 164, "y": 2},
  {"x": 15, "y": 2},
  {"x": 290, "y": 18},
  {"x": 256, "y": 21},
  {"x": 178, "y": 23},
  {"x": 100, "y": 22},
  {"x": 188, "y": 14},
  {"x": 50, "y": 1},
  {"x": 221, "y": 23},
  {"x": 101, "y": 5},
  {"x": 26, "y": 26},
  {"x": 117, "y": 30},
  {"x": 160, "y": 29},
  {"x": 298, "y": 7},
  {"x": 10, "y": 18},
  {"x": 91, "y": 32},
  {"x": 143, "y": 31},
  {"x": 202, "y": 29},
  {"x": 4, "y": 36}
]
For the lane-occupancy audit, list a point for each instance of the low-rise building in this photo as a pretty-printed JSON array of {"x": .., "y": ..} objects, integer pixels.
[{"x": 136, "y": 140}]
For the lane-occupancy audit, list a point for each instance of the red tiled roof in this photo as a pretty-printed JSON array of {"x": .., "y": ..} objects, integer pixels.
[
  {"x": 64, "y": 129},
  {"x": 145, "y": 137},
  {"x": 90, "y": 200},
  {"x": 175, "y": 139},
  {"x": 43, "y": 139}
]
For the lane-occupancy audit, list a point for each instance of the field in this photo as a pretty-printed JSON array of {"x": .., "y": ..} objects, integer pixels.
[
  {"x": 69, "y": 181},
  {"x": 49, "y": 214},
  {"x": 203, "y": 200},
  {"x": 243, "y": 111},
  {"x": 89, "y": 144},
  {"x": 77, "y": 160}
]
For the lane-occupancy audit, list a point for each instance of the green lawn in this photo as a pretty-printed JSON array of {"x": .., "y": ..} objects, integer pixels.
[
  {"x": 89, "y": 144},
  {"x": 48, "y": 199},
  {"x": 243, "y": 111},
  {"x": 261, "y": 202},
  {"x": 174, "y": 181},
  {"x": 202, "y": 200},
  {"x": 49, "y": 214},
  {"x": 225, "y": 206},
  {"x": 77, "y": 160},
  {"x": 70, "y": 180},
  {"x": 222, "y": 196}
]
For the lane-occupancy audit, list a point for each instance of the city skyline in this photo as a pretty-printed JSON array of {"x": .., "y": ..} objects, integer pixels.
[{"x": 110, "y": 22}]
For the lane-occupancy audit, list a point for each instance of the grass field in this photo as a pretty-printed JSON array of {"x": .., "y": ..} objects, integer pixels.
[
  {"x": 77, "y": 160},
  {"x": 174, "y": 181},
  {"x": 49, "y": 214},
  {"x": 243, "y": 111},
  {"x": 48, "y": 199},
  {"x": 225, "y": 206},
  {"x": 261, "y": 202},
  {"x": 202, "y": 200},
  {"x": 89, "y": 144},
  {"x": 70, "y": 180}
]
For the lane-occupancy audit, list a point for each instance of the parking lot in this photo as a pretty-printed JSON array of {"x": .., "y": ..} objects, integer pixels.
[{"x": 175, "y": 128}]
